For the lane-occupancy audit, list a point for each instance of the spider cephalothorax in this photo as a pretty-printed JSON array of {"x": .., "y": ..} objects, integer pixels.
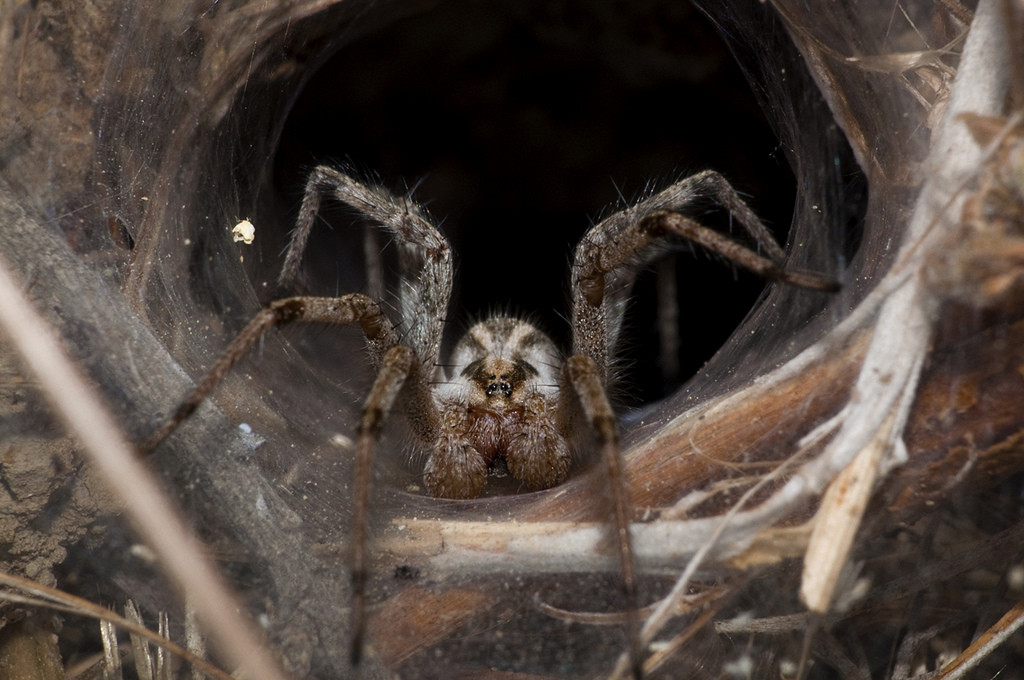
[
  {"x": 498, "y": 405},
  {"x": 508, "y": 398}
]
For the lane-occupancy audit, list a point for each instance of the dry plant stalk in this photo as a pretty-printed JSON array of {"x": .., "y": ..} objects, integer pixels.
[
  {"x": 84, "y": 413},
  {"x": 26, "y": 592}
]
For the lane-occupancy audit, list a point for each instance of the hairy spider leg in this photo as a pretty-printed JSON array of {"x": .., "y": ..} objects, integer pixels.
[
  {"x": 398, "y": 364},
  {"x": 426, "y": 259},
  {"x": 604, "y": 269},
  {"x": 609, "y": 255},
  {"x": 353, "y": 308},
  {"x": 587, "y": 383},
  {"x": 424, "y": 255},
  {"x": 685, "y": 227}
]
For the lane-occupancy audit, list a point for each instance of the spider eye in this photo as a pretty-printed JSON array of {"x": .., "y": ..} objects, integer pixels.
[{"x": 501, "y": 388}]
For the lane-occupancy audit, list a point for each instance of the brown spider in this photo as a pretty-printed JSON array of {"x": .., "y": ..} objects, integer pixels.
[{"x": 508, "y": 397}]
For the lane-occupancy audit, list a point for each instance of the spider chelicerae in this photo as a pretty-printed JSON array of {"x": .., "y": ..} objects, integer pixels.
[{"x": 507, "y": 396}]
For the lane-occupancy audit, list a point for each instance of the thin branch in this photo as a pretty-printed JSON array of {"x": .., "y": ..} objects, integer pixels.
[
  {"x": 984, "y": 645},
  {"x": 85, "y": 415},
  {"x": 40, "y": 595}
]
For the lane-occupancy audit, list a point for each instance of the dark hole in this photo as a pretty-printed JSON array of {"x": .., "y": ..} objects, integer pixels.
[{"x": 520, "y": 124}]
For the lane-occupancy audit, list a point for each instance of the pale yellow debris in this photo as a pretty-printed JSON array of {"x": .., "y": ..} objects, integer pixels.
[{"x": 244, "y": 231}]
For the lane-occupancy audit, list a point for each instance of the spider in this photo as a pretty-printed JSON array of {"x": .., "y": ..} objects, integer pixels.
[{"x": 508, "y": 397}]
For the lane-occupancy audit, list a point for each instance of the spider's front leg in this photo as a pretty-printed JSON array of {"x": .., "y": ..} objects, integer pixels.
[
  {"x": 397, "y": 363},
  {"x": 585, "y": 381},
  {"x": 610, "y": 254},
  {"x": 353, "y": 308}
]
